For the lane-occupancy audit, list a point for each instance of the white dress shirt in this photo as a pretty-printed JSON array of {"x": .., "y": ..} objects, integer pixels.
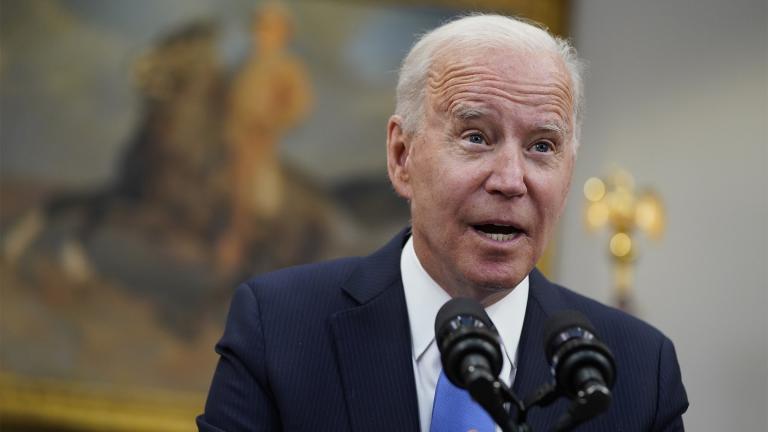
[{"x": 424, "y": 297}]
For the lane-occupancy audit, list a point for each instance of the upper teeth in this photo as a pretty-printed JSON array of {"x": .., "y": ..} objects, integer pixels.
[{"x": 499, "y": 237}]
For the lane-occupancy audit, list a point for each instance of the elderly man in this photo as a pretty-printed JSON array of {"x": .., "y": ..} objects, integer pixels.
[{"x": 482, "y": 146}]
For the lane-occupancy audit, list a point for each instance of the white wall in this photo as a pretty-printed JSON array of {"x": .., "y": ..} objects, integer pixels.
[{"x": 676, "y": 93}]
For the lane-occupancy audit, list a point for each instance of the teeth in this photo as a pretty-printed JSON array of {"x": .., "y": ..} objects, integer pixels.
[{"x": 499, "y": 237}]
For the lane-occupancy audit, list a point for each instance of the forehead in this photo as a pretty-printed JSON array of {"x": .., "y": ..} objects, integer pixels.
[{"x": 461, "y": 78}]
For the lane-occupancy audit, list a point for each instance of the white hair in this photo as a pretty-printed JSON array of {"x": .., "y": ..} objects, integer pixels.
[{"x": 472, "y": 32}]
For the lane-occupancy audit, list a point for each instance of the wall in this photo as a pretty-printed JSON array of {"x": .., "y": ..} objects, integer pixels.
[{"x": 676, "y": 93}]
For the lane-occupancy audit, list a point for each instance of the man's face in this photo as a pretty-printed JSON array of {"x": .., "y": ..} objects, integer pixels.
[{"x": 488, "y": 171}]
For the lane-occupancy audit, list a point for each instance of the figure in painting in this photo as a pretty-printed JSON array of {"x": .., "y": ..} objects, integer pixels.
[{"x": 270, "y": 95}]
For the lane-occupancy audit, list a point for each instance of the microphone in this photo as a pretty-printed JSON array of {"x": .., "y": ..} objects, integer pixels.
[
  {"x": 470, "y": 346},
  {"x": 583, "y": 367}
]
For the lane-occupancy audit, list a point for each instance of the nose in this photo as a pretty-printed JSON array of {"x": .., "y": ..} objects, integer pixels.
[{"x": 507, "y": 176}]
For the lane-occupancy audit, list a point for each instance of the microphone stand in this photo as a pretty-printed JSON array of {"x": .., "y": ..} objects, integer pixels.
[{"x": 493, "y": 394}]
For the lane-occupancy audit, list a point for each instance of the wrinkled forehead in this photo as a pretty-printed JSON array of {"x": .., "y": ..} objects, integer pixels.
[
  {"x": 507, "y": 62},
  {"x": 460, "y": 75}
]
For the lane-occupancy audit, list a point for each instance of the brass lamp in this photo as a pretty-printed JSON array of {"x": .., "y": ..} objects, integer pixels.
[{"x": 613, "y": 202}]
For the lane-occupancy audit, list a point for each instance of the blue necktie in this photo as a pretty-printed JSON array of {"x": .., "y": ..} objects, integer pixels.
[{"x": 454, "y": 410}]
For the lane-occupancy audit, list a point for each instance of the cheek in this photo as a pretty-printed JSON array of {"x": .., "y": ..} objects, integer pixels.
[
  {"x": 550, "y": 195},
  {"x": 457, "y": 191},
  {"x": 432, "y": 177},
  {"x": 567, "y": 177},
  {"x": 446, "y": 181},
  {"x": 426, "y": 188}
]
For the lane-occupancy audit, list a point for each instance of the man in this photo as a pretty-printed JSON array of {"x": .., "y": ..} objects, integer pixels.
[{"x": 482, "y": 146}]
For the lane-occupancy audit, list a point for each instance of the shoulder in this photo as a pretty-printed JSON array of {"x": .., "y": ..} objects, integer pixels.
[
  {"x": 307, "y": 276},
  {"x": 303, "y": 283},
  {"x": 333, "y": 284},
  {"x": 294, "y": 299},
  {"x": 614, "y": 326},
  {"x": 648, "y": 372}
]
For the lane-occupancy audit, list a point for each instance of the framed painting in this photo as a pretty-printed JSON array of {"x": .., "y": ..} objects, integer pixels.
[{"x": 154, "y": 155}]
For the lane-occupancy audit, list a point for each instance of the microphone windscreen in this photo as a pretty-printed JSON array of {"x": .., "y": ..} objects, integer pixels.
[
  {"x": 561, "y": 322},
  {"x": 461, "y": 306}
]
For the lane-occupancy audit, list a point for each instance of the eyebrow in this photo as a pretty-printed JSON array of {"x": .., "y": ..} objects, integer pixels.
[
  {"x": 553, "y": 127},
  {"x": 463, "y": 112}
]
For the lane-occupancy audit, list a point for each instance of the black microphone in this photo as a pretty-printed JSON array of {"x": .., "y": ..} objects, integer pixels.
[
  {"x": 583, "y": 367},
  {"x": 470, "y": 351},
  {"x": 470, "y": 346}
]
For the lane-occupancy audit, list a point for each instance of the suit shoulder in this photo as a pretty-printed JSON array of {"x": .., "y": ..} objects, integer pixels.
[
  {"x": 302, "y": 283},
  {"x": 611, "y": 322}
]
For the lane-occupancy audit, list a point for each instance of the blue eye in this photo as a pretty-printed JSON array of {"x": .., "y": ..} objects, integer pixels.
[
  {"x": 476, "y": 138},
  {"x": 542, "y": 147}
]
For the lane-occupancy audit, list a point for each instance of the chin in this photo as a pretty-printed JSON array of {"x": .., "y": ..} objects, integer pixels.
[{"x": 490, "y": 282}]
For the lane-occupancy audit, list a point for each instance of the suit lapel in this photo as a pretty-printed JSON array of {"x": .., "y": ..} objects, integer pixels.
[
  {"x": 533, "y": 369},
  {"x": 373, "y": 346}
]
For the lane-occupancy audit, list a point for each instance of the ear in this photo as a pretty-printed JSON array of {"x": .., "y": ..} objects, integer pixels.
[{"x": 398, "y": 157}]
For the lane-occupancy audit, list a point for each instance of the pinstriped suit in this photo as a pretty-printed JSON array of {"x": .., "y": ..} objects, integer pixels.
[{"x": 326, "y": 347}]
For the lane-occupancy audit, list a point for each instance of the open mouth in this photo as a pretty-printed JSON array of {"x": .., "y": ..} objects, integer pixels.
[{"x": 500, "y": 233}]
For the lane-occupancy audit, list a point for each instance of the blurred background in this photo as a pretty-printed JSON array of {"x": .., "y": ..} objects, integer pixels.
[{"x": 153, "y": 154}]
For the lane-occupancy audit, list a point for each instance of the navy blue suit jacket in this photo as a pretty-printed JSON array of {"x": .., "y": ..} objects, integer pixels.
[{"x": 327, "y": 347}]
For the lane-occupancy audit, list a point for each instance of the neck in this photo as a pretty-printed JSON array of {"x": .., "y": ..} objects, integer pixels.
[{"x": 483, "y": 295}]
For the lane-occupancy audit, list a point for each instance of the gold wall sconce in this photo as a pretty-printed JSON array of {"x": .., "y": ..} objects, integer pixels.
[{"x": 614, "y": 203}]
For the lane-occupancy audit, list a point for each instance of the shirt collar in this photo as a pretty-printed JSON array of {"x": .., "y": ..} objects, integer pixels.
[{"x": 424, "y": 297}]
